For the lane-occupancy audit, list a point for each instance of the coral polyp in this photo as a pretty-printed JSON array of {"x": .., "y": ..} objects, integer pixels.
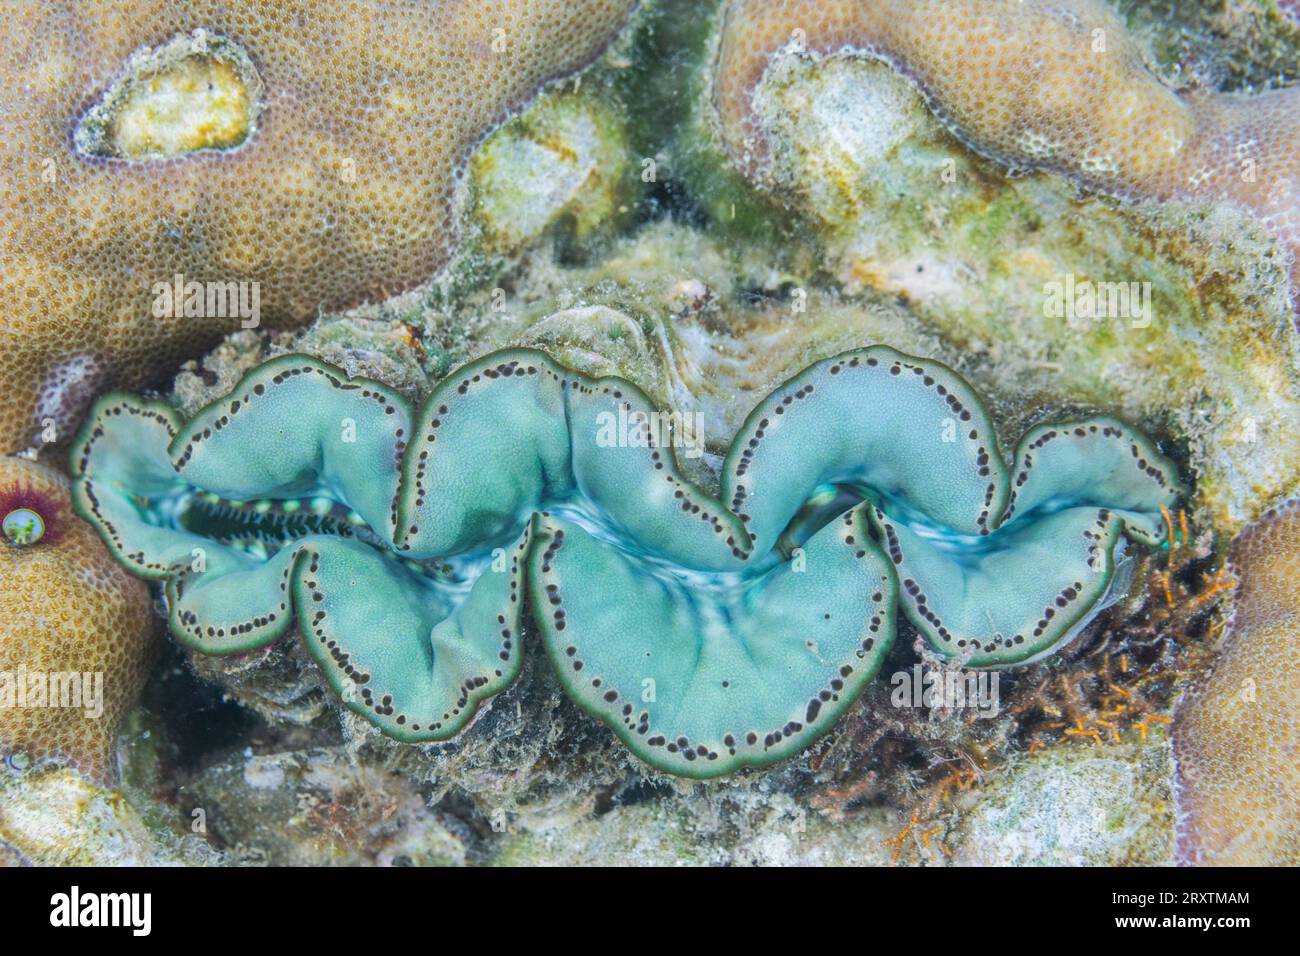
[{"x": 711, "y": 632}]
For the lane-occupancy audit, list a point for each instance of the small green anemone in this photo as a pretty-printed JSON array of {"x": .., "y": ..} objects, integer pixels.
[
  {"x": 23, "y": 526},
  {"x": 30, "y": 516}
]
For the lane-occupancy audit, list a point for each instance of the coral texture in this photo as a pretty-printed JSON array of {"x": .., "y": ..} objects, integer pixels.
[
  {"x": 312, "y": 149},
  {"x": 709, "y": 633},
  {"x": 73, "y": 625},
  {"x": 1235, "y": 736},
  {"x": 1043, "y": 84},
  {"x": 56, "y": 817},
  {"x": 1078, "y": 805}
]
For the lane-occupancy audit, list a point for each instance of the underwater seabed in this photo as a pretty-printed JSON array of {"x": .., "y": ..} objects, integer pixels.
[{"x": 707, "y": 471}]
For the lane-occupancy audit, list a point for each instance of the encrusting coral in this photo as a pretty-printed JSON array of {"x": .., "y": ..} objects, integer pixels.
[
  {"x": 1044, "y": 84},
  {"x": 1234, "y": 736},
  {"x": 170, "y": 172},
  {"x": 77, "y": 633},
  {"x": 407, "y": 546}
]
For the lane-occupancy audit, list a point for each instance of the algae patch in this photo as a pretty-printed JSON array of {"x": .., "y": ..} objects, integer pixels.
[{"x": 195, "y": 92}]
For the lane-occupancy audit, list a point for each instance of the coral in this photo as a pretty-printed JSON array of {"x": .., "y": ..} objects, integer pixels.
[
  {"x": 1049, "y": 84},
  {"x": 77, "y": 633},
  {"x": 1235, "y": 732},
  {"x": 58, "y": 818},
  {"x": 610, "y": 226},
  {"x": 290, "y": 158},
  {"x": 305, "y": 495},
  {"x": 920, "y": 830}
]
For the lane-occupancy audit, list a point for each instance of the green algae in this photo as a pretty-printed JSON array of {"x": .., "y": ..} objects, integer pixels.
[
  {"x": 1232, "y": 46},
  {"x": 562, "y": 165}
]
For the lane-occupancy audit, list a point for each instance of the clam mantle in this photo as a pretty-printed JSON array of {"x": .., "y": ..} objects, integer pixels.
[{"x": 411, "y": 548}]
